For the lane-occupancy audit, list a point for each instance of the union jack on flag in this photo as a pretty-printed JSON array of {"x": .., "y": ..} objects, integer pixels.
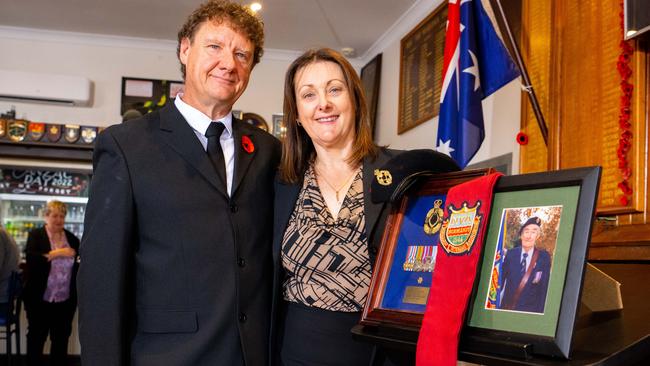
[{"x": 476, "y": 64}]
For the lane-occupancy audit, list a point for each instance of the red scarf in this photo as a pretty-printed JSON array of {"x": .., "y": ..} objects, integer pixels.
[{"x": 467, "y": 209}]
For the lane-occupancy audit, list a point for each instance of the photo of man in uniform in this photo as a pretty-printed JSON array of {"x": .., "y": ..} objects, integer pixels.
[{"x": 526, "y": 269}]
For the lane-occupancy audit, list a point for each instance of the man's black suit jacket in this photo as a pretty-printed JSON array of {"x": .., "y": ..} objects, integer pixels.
[
  {"x": 286, "y": 196},
  {"x": 533, "y": 294},
  {"x": 173, "y": 270}
]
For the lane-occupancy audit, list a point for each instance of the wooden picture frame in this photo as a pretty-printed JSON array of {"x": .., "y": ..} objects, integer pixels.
[
  {"x": 279, "y": 128},
  {"x": 420, "y": 76},
  {"x": 371, "y": 81},
  {"x": 394, "y": 300},
  {"x": 517, "y": 329}
]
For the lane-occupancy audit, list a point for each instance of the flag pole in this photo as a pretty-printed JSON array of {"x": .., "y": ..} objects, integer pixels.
[{"x": 528, "y": 87}]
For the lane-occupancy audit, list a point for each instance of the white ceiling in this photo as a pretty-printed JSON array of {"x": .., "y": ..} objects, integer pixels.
[{"x": 289, "y": 24}]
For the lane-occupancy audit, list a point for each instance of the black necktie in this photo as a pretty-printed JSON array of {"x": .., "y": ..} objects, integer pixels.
[
  {"x": 214, "y": 149},
  {"x": 523, "y": 263}
]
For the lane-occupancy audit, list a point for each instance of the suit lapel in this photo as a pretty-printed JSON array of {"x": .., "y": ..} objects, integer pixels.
[
  {"x": 243, "y": 158},
  {"x": 178, "y": 134},
  {"x": 372, "y": 210},
  {"x": 286, "y": 196}
]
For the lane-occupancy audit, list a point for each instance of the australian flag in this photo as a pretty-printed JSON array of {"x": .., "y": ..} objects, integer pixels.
[{"x": 476, "y": 64}]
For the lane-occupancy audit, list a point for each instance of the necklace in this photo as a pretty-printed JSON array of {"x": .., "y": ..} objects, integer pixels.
[{"x": 336, "y": 190}]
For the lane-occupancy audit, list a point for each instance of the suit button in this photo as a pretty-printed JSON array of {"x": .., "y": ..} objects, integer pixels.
[
  {"x": 241, "y": 262},
  {"x": 233, "y": 208},
  {"x": 242, "y": 317}
]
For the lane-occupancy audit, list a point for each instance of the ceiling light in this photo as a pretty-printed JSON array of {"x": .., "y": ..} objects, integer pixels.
[{"x": 255, "y": 7}]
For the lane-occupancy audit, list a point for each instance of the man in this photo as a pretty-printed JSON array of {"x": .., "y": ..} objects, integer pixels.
[
  {"x": 526, "y": 271},
  {"x": 176, "y": 253}
]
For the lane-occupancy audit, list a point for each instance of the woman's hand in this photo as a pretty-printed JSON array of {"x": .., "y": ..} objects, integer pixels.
[{"x": 62, "y": 252}]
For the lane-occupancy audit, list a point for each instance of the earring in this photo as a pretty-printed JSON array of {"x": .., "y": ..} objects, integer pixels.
[{"x": 298, "y": 122}]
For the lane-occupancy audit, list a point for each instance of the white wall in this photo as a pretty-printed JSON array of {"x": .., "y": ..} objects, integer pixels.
[
  {"x": 501, "y": 111},
  {"x": 105, "y": 60}
]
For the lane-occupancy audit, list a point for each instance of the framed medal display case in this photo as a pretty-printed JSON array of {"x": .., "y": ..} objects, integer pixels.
[{"x": 405, "y": 263}]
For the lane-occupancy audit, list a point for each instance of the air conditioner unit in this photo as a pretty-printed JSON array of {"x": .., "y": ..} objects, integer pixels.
[{"x": 44, "y": 88}]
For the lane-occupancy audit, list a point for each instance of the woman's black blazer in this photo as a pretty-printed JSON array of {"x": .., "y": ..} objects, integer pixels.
[
  {"x": 285, "y": 201},
  {"x": 37, "y": 267}
]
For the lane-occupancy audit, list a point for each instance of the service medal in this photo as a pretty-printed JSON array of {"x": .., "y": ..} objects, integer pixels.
[
  {"x": 36, "y": 130},
  {"x": 71, "y": 133},
  {"x": 433, "y": 221},
  {"x": 88, "y": 134},
  {"x": 53, "y": 132},
  {"x": 458, "y": 232},
  {"x": 420, "y": 258},
  {"x": 17, "y": 130}
]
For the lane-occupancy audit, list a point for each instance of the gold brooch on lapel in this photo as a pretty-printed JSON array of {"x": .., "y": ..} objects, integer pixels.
[{"x": 383, "y": 177}]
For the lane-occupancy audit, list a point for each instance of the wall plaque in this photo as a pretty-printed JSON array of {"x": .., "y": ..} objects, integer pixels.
[{"x": 420, "y": 77}]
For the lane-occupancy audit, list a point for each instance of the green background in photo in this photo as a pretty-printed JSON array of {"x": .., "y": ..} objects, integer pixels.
[{"x": 523, "y": 322}]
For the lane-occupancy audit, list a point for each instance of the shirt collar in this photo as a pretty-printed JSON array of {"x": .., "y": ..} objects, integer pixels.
[{"x": 197, "y": 119}]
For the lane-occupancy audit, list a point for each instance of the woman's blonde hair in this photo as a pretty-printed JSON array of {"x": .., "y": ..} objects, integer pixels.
[{"x": 55, "y": 205}]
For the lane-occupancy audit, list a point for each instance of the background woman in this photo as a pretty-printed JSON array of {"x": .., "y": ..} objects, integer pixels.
[
  {"x": 326, "y": 232},
  {"x": 50, "y": 292}
]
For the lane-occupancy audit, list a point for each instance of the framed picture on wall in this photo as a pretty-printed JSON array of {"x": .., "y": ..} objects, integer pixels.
[
  {"x": 420, "y": 71},
  {"x": 279, "y": 128},
  {"x": 142, "y": 96},
  {"x": 370, "y": 79},
  {"x": 531, "y": 272}
]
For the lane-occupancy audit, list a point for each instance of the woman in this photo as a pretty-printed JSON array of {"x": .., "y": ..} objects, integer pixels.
[
  {"x": 50, "y": 292},
  {"x": 326, "y": 231}
]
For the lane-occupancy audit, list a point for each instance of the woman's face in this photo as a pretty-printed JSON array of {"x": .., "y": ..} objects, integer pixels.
[
  {"x": 324, "y": 105},
  {"x": 55, "y": 220}
]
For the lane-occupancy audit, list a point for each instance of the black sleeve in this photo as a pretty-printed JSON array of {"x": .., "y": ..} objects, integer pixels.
[{"x": 105, "y": 258}]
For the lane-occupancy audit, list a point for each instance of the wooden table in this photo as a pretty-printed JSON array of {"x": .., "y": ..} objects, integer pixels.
[{"x": 608, "y": 338}]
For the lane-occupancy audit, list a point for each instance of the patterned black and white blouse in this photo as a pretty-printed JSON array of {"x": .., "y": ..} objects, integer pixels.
[{"x": 326, "y": 260}]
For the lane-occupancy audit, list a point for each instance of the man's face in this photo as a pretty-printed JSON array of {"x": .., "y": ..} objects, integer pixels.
[
  {"x": 528, "y": 236},
  {"x": 218, "y": 64}
]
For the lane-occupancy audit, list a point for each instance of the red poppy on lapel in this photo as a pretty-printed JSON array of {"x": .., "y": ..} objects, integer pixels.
[{"x": 247, "y": 144}]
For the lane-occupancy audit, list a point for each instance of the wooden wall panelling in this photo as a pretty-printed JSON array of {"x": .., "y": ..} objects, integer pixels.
[
  {"x": 571, "y": 49},
  {"x": 537, "y": 54},
  {"x": 590, "y": 94}
]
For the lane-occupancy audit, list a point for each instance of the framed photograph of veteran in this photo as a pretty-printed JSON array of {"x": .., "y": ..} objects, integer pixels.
[
  {"x": 405, "y": 263},
  {"x": 534, "y": 256}
]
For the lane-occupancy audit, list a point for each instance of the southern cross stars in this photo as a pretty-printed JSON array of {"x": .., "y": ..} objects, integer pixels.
[
  {"x": 445, "y": 147},
  {"x": 473, "y": 70}
]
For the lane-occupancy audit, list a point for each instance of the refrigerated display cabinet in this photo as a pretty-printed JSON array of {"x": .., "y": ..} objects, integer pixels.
[{"x": 24, "y": 194}]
